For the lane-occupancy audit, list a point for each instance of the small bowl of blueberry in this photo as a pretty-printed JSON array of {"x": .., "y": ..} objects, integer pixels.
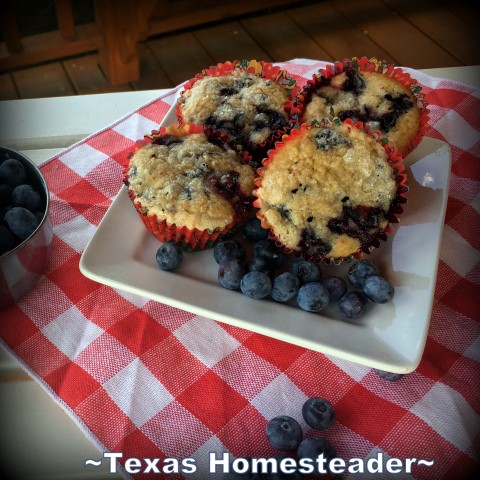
[{"x": 25, "y": 229}]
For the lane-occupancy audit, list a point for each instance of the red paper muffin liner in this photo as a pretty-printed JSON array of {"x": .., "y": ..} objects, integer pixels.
[
  {"x": 189, "y": 239},
  {"x": 263, "y": 70},
  {"x": 396, "y": 209},
  {"x": 371, "y": 65}
]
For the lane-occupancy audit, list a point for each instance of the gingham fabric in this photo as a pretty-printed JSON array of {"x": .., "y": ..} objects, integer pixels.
[{"x": 149, "y": 380}]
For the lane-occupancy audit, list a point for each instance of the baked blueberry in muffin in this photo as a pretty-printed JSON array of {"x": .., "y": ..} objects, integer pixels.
[
  {"x": 379, "y": 100},
  {"x": 329, "y": 192}
]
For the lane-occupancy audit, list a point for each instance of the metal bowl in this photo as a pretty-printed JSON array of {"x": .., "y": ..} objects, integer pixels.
[{"x": 22, "y": 267}]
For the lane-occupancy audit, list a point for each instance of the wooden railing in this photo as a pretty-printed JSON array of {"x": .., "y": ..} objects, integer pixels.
[{"x": 118, "y": 28}]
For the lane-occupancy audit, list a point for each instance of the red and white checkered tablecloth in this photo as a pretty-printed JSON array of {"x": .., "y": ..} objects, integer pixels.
[{"x": 149, "y": 380}]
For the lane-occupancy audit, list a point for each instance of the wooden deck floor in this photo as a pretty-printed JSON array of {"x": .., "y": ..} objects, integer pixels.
[{"x": 418, "y": 34}]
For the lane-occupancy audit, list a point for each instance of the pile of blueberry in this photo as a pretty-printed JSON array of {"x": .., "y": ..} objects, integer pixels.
[
  {"x": 284, "y": 433},
  {"x": 21, "y": 205},
  {"x": 300, "y": 283}
]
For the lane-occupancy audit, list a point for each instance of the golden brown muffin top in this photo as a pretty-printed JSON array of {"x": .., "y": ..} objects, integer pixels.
[
  {"x": 324, "y": 177},
  {"x": 190, "y": 181}
]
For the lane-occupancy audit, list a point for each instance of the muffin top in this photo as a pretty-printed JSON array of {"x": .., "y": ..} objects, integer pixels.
[
  {"x": 376, "y": 99},
  {"x": 325, "y": 191},
  {"x": 247, "y": 108},
  {"x": 194, "y": 181}
]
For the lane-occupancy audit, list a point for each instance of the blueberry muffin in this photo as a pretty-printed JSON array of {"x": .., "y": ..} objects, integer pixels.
[
  {"x": 249, "y": 102},
  {"x": 189, "y": 186},
  {"x": 329, "y": 192},
  {"x": 382, "y": 98}
]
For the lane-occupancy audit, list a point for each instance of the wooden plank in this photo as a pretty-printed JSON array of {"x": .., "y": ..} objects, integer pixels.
[
  {"x": 87, "y": 76},
  {"x": 230, "y": 41},
  {"x": 340, "y": 38},
  {"x": 152, "y": 74},
  {"x": 64, "y": 13},
  {"x": 51, "y": 46},
  {"x": 467, "y": 10},
  {"x": 283, "y": 39},
  {"x": 181, "y": 56},
  {"x": 7, "y": 87},
  {"x": 404, "y": 42},
  {"x": 44, "y": 81},
  {"x": 119, "y": 54},
  {"x": 453, "y": 34},
  {"x": 9, "y": 25},
  {"x": 185, "y": 14}
]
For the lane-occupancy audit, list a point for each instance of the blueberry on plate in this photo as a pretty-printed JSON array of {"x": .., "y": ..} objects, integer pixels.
[
  {"x": 25, "y": 196},
  {"x": 306, "y": 271},
  {"x": 285, "y": 287},
  {"x": 256, "y": 285},
  {"x": 230, "y": 274},
  {"x": 312, "y": 297},
  {"x": 390, "y": 376},
  {"x": 253, "y": 230},
  {"x": 21, "y": 222},
  {"x": 313, "y": 447},
  {"x": 378, "y": 289},
  {"x": 268, "y": 250},
  {"x": 228, "y": 250},
  {"x": 12, "y": 172},
  {"x": 353, "y": 305},
  {"x": 169, "y": 256},
  {"x": 318, "y": 413},
  {"x": 260, "y": 264},
  {"x": 359, "y": 271},
  {"x": 284, "y": 433},
  {"x": 336, "y": 287}
]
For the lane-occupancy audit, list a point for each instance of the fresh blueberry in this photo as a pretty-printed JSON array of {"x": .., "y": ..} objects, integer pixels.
[
  {"x": 169, "y": 256},
  {"x": 318, "y": 413},
  {"x": 306, "y": 271},
  {"x": 25, "y": 196},
  {"x": 21, "y": 222},
  {"x": 336, "y": 287},
  {"x": 7, "y": 240},
  {"x": 253, "y": 230},
  {"x": 269, "y": 251},
  {"x": 285, "y": 287},
  {"x": 5, "y": 194},
  {"x": 256, "y": 285},
  {"x": 230, "y": 274},
  {"x": 359, "y": 271},
  {"x": 259, "y": 264},
  {"x": 312, "y": 297},
  {"x": 353, "y": 305},
  {"x": 378, "y": 289},
  {"x": 284, "y": 433},
  {"x": 313, "y": 447},
  {"x": 390, "y": 376},
  {"x": 228, "y": 250},
  {"x": 12, "y": 172}
]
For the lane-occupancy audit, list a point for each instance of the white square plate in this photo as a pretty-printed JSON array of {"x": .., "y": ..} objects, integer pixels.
[{"x": 390, "y": 337}]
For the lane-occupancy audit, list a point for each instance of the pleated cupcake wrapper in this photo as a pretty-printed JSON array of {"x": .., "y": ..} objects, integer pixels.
[
  {"x": 370, "y": 65},
  {"x": 396, "y": 209},
  {"x": 260, "y": 69},
  {"x": 189, "y": 239}
]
